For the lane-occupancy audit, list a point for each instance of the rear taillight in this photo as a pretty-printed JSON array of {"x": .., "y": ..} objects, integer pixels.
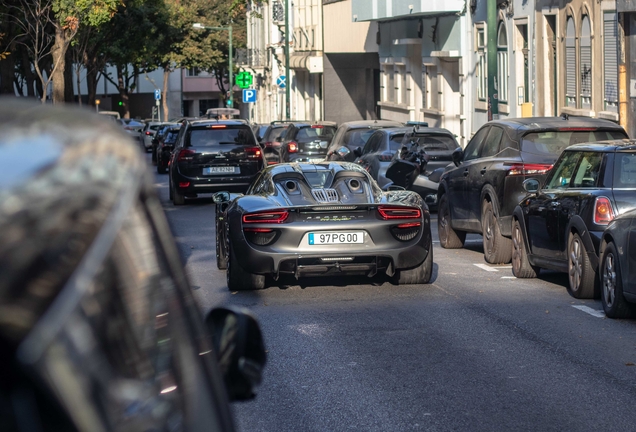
[
  {"x": 603, "y": 213},
  {"x": 528, "y": 169},
  {"x": 292, "y": 147},
  {"x": 394, "y": 212},
  {"x": 317, "y": 126},
  {"x": 406, "y": 231},
  {"x": 385, "y": 157},
  {"x": 253, "y": 152},
  {"x": 186, "y": 155},
  {"x": 184, "y": 184},
  {"x": 277, "y": 216},
  {"x": 148, "y": 133},
  {"x": 267, "y": 144},
  {"x": 260, "y": 236}
]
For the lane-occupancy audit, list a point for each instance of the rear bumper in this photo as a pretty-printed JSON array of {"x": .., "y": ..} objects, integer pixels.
[
  {"x": 386, "y": 255},
  {"x": 203, "y": 185}
]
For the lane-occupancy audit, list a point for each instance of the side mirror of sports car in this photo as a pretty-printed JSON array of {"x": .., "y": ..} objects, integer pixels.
[
  {"x": 238, "y": 344},
  {"x": 458, "y": 155},
  {"x": 221, "y": 197}
]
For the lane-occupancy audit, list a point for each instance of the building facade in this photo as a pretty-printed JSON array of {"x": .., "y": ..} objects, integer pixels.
[{"x": 626, "y": 30}]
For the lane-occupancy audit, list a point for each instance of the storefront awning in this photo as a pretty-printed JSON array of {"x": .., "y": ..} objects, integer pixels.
[{"x": 313, "y": 64}]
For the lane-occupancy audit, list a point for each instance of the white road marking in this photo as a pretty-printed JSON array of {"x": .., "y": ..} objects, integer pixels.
[
  {"x": 508, "y": 277},
  {"x": 486, "y": 267},
  {"x": 588, "y": 310}
]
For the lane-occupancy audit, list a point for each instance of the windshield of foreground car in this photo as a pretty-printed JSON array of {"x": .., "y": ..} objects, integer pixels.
[
  {"x": 554, "y": 142},
  {"x": 209, "y": 136}
]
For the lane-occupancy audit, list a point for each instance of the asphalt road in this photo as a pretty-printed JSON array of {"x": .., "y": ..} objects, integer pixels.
[{"x": 476, "y": 350}]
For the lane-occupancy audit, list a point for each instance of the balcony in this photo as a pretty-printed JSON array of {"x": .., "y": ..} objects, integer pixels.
[
  {"x": 251, "y": 57},
  {"x": 372, "y": 10}
]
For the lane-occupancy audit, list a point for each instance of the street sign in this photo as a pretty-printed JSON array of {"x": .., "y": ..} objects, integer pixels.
[
  {"x": 281, "y": 81},
  {"x": 249, "y": 96},
  {"x": 157, "y": 94},
  {"x": 244, "y": 80}
]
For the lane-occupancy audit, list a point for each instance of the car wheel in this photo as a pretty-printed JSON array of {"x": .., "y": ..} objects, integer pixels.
[
  {"x": 580, "y": 274},
  {"x": 177, "y": 197},
  {"x": 614, "y": 304},
  {"x": 240, "y": 280},
  {"x": 497, "y": 248},
  {"x": 448, "y": 237},
  {"x": 161, "y": 169},
  {"x": 521, "y": 267},
  {"x": 221, "y": 251},
  {"x": 420, "y": 274}
]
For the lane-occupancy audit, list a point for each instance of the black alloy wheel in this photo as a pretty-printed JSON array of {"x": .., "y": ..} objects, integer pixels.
[
  {"x": 580, "y": 273},
  {"x": 448, "y": 237},
  {"x": 497, "y": 248},
  {"x": 177, "y": 197},
  {"x": 221, "y": 247},
  {"x": 614, "y": 303},
  {"x": 418, "y": 275},
  {"x": 240, "y": 280},
  {"x": 521, "y": 267}
]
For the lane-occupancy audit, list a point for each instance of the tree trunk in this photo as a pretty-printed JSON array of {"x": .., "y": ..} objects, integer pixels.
[
  {"x": 91, "y": 78},
  {"x": 164, "y": 97},
  {"x": 69, "y": 91},
  {"x": 58, "y": 52},
  {"x": 7, "y": 73},
  {"x": 123, "y": 91}
]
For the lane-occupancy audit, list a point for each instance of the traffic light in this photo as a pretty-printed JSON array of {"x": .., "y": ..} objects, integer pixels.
[{"x": 121, "y": 103}]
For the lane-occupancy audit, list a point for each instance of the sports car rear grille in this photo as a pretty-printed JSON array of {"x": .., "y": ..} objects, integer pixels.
[{"x": 325, "y": 195}]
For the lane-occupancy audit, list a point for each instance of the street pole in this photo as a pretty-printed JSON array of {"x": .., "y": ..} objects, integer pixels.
[
  {"x": 493, "y": 97},
  {"x": 287, "y": 77},
  {"x": 231, "y": 72}
]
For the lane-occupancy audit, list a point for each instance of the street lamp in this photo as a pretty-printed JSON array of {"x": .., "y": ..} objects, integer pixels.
[{"x": 229, "y": 29}]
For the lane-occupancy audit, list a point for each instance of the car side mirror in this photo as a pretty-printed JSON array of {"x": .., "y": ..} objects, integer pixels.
[
  {"x": 458, "y": 155},
  {"x": 358, "y": 151},
  {"x": 221, "y": 197},
  {"x": 238, "y": 344},
  {"x": 531, "y": 185}
]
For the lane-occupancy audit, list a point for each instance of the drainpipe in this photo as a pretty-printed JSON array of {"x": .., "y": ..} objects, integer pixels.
[
  {"x": 623, "y": 117},
  {"x": 491, "y": 45},
  {"x": 287, "y": 77}
]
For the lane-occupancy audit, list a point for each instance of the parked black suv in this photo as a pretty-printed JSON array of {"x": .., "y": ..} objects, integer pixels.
[
  {"x": 480, "y": 193},
  {"x": 165, "y": 147},
  {"x": 306, "y": 142},
  {"x": 560, "y": 225},
  {"x": 213, "y": 155}
]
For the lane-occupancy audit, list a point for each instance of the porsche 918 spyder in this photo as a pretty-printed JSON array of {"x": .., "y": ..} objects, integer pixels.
[{"x": 321, "y": 219}]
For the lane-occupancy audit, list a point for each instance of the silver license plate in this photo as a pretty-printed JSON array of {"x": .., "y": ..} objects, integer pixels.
[
  {"x": 338, "y": 237},
  {"x": 221, "y": 170}
]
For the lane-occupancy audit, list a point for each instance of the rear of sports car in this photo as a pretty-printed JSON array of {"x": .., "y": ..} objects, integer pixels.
[{"x": 341, "y": 229}]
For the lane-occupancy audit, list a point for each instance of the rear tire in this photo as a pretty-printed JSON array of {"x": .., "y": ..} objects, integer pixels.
[
  {"x": 521, "y": 267},
  {"x": 580, "y": 274},
  {"x": 448, "y": 237},
  {"x": 614, "y": 303},
  {"x": 240, "y": 280},
  {"x": 160, "y": 168},
  {"x": 417, "y": 275},
  {"x": 497, "y": 248},
  {"x": 178, "y": 198}
]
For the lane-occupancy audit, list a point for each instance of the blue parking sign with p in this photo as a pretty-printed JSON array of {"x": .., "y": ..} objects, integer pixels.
[{"x": 249, "y": 96}]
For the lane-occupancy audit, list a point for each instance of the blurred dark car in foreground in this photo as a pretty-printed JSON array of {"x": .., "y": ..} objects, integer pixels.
[
  {"x": 98, "y": 327},
  {"x": 327, "y": 218},
  {"x": 213, "y": 155},
  {"x": 354, "y": 134},
  {"x": 617, "y": 271},
  {"x": 479, "y": 194},
  {"x": 560, "y": 224}
]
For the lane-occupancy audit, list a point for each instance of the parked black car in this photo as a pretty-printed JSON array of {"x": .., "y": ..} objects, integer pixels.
[
  {"x": 480, "y": 193},
  {"x": 378, "y": 152},
  {"x": 354, "y": 134},
  {"x": 158, "y": 137},
  {"x": 99, "y": 330},
  {"x": 213, "y": 155},
  {"x": 165, "y": 147},
  {"x": 306, "y": 142},
  {"x": 560, "y": 224},
  {"x": 618, "y": 265}
]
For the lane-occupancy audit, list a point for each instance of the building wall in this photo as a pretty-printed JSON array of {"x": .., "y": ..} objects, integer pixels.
[{"x": 345, "y": 35}]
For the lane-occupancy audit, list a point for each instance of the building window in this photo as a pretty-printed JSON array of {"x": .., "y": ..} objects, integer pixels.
[
  {"x": 570, "y": 64},
  {"x": 610, "y": 61},
  {"x": 390, "y": 83},
  {"x": 431, "y": 88},
  {"x": 193, "y": 72},
  {"x": 585, "y": 63},
  {"x": 502, "y": 63},
  {"x": 482, "y": 76},
  {"x": 401, "y": 85}
]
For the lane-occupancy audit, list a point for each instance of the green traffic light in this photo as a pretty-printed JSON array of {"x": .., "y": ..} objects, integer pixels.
[{"x": 121, "y": 103}]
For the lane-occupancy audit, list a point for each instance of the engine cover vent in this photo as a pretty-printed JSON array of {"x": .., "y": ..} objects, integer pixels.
[{"x": 325, "y": 195}]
